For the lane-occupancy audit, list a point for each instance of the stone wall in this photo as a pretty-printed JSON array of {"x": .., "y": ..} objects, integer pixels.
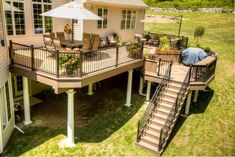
[{"x": 207, "y": 10}]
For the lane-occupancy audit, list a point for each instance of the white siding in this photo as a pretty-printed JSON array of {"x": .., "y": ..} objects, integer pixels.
[
  {"x": 114, "y": 23},
  {"x": 4, "y": 62}
]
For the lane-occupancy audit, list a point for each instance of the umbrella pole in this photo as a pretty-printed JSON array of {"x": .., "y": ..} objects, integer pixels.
[{"x": 72, "y": 30}]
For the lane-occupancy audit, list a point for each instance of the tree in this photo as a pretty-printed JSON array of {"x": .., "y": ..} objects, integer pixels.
[{"x": 198, "y": 34}]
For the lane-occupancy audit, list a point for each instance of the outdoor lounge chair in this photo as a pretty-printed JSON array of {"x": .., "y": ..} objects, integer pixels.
[
  {"x": 113, "y": 39},
  {"x": 95, "y": 40},
  {"x": 86, "y": 42}
]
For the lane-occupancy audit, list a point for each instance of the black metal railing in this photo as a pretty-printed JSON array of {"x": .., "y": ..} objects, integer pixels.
[
  {"x": 153, "y": 104},
  {"x": 202, "y": 73},
  {"x": 164, "y": 133},
  {"x": 66, "y": 63}
]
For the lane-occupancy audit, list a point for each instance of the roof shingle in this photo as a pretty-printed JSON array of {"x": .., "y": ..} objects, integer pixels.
[{"x": 135, "y": 3}]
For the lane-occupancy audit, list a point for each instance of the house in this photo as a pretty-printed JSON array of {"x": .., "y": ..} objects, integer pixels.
[{"x": 21, "y": 26}]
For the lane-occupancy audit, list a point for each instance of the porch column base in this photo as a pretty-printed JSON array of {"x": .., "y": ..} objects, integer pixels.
[
  {"x": 188, "y": 103},
  {"x": 148, "y": 91},
  {"x": 70, "y": 122},
  {"x": 27, "y": 122},
  {"x": 90, "y": 91},
  {"x": 141, "y": 86},
  {"x": 129, "y": 87}
]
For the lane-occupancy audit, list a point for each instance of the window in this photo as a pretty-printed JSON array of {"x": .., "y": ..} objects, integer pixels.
[
  {"x": 103, "y": 13},
  {"x": 42, "y": 24},
  {"x": 128, "y": 19},
  {"x": 5, "y": 104},
  {"x": 14, "y": 13}
]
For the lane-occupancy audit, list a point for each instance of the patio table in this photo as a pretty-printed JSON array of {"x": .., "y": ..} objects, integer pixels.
[{"x": 72, "y": 44}]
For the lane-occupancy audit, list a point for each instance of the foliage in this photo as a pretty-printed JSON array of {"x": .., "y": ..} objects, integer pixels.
[
  {"x": 184, "y": 4},
  {"x": 68, "y": 29},
  {"x": 198, "y": 33},
  {"x": 134, "y": 50},
  {"x": 164, "y": 43},
  {"x": 207, "y": 49},
  {"x": 70, "y": 62}
]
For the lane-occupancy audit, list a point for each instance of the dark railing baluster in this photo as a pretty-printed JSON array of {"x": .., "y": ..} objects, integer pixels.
[
  {"x": 160, "y": 142},
  {"x": 11, "y": 52},
  {"x": 159, "y": 66}
]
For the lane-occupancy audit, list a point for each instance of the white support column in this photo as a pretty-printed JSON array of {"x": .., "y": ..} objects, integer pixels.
[
  {"x": 195, "y": 95},
  {"x": 148, "y": 91},
  {"x": 129, "y": 88},
  {"x": 27, "y": 117},
  {"x": 141, "y": 86},
  {"x": 70, "y": 118},
  {"x": 188, "y": 102},
  {"x": 90, "y": 91}
]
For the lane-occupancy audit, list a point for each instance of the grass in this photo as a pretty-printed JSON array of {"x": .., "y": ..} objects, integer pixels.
[
  {"x": 185, "y": 4},
  {"x": 209, "y": 130}
]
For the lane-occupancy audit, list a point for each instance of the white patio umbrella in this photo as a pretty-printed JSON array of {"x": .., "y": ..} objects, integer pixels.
[{"x": 72, "y": 10}]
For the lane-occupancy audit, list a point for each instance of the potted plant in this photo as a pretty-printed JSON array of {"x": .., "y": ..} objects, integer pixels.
[
  {"x": 198, "y": 34},
  {"x": 164, "y": 44},
  {"x": 68, "y": 32},
  {"x": 134, "y": 50},
  {"x": 69, "y": 63}
]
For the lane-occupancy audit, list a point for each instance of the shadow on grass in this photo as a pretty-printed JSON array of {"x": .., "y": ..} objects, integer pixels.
[
  {"x": 204, "y": 98},
  {"x": 105, "y": 113}
]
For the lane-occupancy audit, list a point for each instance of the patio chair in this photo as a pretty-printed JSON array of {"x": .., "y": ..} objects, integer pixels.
[
  {"x": 57, "y": 44},
  {"x": 113, "y": 39},
  {"x": 48, "y": 42},
  {"x": 60, "y": 35},
  {"x": 86, "y": 42},
  {"x": 95, "y": 40},
  {"x": 52, "y": 34}
]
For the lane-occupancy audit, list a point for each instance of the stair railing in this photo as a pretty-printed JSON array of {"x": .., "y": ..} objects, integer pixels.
[
  {"x": 164, "y": 133},
  {"x": 153, "y": 104}
]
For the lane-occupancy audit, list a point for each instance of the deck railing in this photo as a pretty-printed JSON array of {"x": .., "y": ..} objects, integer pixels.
[
  {"x": 202, "y": 73},
  {"x": 158, "y": 66},
  {"x": 153, "y": 104},
  {"x": 68, "y": 64}
]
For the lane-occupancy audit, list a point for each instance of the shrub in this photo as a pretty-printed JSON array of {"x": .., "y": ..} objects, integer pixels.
[{"x": 198, "y": 34}]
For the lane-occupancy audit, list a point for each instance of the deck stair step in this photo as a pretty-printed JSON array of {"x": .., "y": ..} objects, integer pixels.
[
  {"x": 170, "y": 95},
  {"x": 148, "y": 146},
  {"x": 153, "y": 134},
  {"x": 170, "y": 101},
  {"x": 166, "y": 106},
  {"x": 150, "y": 140}
]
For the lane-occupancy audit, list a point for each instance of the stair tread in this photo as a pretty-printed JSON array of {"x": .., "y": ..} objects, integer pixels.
[
  {"x": 155, "y": 127},
  {"x": 154, "y": 141},
  {"x": 160, "y": 115},
  {"x": 158, "y": 121},
  {"x": 167, "y": 111},
  {"x": 168, "y": 99},
  {"x": 171, "y": 95},
  {"x": 153, "y": 133},
  {"x": 148, "y": 146},
  {"x": 166, "y": 105}
]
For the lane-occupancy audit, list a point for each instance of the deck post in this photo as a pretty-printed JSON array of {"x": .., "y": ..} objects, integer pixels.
[
  {"x": 195, "y": 95},
  {"x": 141, "y": 86},
  {"x": 129, "y": 88},
  {"x": 90, "y": 91},
  {"x": 188, "y": 102},
  {"x": 70, "y": 120},
  {"x": 27, "y": 117},
  {"x": 148, "y": 91}
]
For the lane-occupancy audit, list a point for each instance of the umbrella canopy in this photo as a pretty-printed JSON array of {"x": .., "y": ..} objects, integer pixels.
[
  {"x": 192, "y": 55},
  {"x": 72, "y": 10}
]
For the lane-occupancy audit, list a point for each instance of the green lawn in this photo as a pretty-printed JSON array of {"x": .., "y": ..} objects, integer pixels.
[{"x": 111, "y": 130}]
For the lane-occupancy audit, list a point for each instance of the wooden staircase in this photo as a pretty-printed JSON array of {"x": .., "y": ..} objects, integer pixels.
[{"x": 158, "y": 121}]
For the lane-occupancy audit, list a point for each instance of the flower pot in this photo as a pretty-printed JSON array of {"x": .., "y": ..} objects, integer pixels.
[{"x": 69, "y": 70}]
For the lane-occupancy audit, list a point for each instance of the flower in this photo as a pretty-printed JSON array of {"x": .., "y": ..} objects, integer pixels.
[{"x": 68, "y": 29}]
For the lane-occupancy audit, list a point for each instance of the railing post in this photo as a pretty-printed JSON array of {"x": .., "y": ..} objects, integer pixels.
[
  {"x": 170, "y": 68},
  {"x": 81, "y": 60},
  {"x": 32, "y": 57},
  {"x": 138, "y": 131},
  {"x": 117, "y": 55},
  {"x": 11, "y": 52},
  {"x": 57, "y": 64},
  {"x": 159, "y": 65}
]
